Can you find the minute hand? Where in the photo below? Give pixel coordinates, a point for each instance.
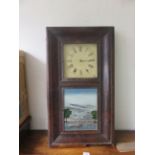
(87, 60)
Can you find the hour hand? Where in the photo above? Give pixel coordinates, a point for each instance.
(83, 60)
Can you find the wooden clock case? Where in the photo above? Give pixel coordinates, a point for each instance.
(104, 38)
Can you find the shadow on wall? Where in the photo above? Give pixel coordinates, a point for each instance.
(37, 92)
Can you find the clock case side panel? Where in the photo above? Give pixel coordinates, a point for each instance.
(52, 86)
(108, 75)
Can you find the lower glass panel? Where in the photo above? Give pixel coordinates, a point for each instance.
(80, 109)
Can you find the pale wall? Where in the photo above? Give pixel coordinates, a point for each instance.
(35, 15)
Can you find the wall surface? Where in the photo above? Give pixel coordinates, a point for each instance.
(36, 15)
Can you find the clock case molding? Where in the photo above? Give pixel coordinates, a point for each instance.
(56, 38)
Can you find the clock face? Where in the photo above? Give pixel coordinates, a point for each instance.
(80, 60)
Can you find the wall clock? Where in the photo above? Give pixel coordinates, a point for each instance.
(80, 85)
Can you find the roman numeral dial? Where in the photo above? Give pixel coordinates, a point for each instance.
(80, 60)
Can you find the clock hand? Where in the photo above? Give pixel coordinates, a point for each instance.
(86, 60)
(83, 60)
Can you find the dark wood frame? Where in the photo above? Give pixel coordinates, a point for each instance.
(104, 37)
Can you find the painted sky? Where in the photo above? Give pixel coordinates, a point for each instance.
(80, 96)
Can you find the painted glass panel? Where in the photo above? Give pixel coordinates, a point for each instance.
(80, 109)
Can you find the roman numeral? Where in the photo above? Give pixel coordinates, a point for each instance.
(90, 54)
(87, 70)
(74, 50)
(80, 48)
(91, 66)
(70, 66)
(91, 60)
(86, 49)
(81, 72)
(74, 70)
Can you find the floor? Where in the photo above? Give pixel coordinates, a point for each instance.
(36, 144)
